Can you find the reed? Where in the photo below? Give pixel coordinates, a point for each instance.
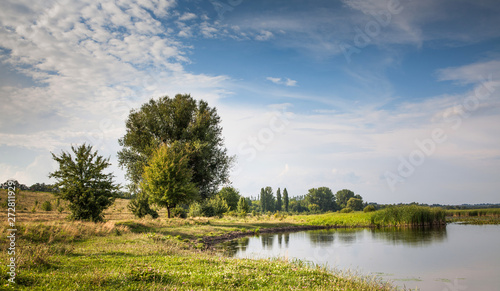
(409, 215)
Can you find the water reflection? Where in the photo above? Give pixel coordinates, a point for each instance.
(232, 247)
(416, 237)
(267, 241)
(410, 237)
(325, 238)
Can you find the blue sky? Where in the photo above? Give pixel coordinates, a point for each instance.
(395, 100)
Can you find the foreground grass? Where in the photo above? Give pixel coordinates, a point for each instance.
(124, 260)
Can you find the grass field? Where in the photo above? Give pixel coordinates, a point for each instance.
(125, 253)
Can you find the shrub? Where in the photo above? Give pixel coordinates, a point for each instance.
(346, 210)
(46, 206)
(178, 212)
(140, 206)
(195, 210)
(216, 206)
(369, 208)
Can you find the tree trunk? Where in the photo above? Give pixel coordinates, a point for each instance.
(168, 212)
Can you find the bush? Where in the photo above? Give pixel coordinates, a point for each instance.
(216, 206)
(46, 206)
(179, 212)
(195, 210)
(140, 207)
(346, 210)
(369, 208)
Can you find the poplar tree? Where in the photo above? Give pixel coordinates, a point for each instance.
(285, 199)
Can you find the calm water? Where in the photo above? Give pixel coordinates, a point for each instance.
(458, 257)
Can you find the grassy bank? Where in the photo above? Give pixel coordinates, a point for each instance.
(125, 253)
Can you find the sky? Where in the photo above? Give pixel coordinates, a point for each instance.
(397, 100)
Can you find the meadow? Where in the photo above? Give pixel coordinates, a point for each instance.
(126, 253)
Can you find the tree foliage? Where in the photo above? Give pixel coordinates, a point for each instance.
(285, 199)
(83, 184)
(322, 197)
(278, 200)
(355, 204)
(167, 180)
(180, 119)
(267, 200)
(343, 196)
(231, 196)
(243, 206)
(215, 206)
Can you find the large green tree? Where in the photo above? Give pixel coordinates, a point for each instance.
(343, 196)
(180, 119)
(322, 197)
(83, 183)
(167, 179)
(355, 204)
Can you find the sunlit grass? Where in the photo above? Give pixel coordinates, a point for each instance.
(336, 219)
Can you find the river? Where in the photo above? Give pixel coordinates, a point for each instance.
(455, 257)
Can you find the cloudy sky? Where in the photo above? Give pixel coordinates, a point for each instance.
(398, 101)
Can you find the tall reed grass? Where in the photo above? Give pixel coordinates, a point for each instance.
(409, 215)
(474, 212)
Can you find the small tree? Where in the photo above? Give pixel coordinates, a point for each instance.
(83, 184)
(167, 178)
(231, 196)
(243, 206)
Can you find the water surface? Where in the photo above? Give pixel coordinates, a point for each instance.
(457, 257)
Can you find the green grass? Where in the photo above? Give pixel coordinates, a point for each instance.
(140, 261)
(336, 219)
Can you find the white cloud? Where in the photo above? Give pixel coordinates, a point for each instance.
(188, 16)
(91, 64)
(280, 81)
(264, 35)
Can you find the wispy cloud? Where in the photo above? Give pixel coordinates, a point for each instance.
(283, 81)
